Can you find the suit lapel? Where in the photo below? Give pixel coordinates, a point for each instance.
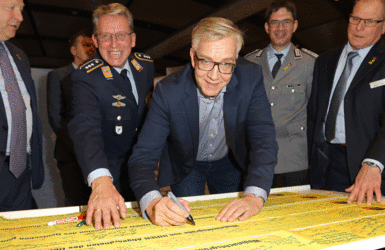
(230, 108)
(192, 107)
(372, 59)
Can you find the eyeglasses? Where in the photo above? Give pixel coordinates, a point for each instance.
(207, 65)
(106, 37)
(286, 23)
(368, 22)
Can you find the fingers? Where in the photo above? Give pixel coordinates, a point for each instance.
(241, 209)
(165, 212)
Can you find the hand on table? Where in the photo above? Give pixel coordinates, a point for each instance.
(103, 203)
(164, 212)
(368, 181)
(241, 208)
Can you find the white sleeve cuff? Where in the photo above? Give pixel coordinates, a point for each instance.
(146, 199)
(379, 164)
(98, 173)
(257, 191)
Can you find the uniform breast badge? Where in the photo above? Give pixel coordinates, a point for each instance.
(119, 103)
(118, 126)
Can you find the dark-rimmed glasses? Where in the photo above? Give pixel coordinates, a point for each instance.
(207, 65)
(368, 22)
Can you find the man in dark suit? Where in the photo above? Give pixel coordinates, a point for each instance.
(109, 102)
(59, 109)
(21, 163)
(346, 112)
(213, 122)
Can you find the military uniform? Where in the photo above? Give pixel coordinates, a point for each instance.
(288, 94)
(106, 121)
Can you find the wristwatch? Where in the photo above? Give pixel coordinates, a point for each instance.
(371, 164)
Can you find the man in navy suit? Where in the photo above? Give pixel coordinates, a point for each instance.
(213, 122)
(346, 111)
(15, 183)
(109, 102)
(59, 113)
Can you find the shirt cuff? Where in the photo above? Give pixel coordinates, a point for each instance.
(98, 173)
(379, 164)
(257, 191)
(146, 199)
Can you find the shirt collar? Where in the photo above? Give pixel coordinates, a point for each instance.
(271, 52)
(208, 99)
(126, 66)
(361, 52)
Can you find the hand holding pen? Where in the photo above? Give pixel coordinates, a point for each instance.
(165, 212)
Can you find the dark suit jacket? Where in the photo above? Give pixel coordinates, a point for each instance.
(37, 166)
(59, 110)
(95, 116)
(174, 116)
(364, 109)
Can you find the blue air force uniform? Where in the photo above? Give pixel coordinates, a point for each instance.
(108, 115)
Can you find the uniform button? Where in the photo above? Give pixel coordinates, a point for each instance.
(272, 104)
(293, 90)
(273, 87)
(119, 118)
(211, 145)
(211, 155)
(302, 128)
(136, 129)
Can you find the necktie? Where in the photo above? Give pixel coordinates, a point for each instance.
(18, 150)
(277, 65)
(123, 73)
(338, 96)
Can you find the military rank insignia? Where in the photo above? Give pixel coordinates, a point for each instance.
(107, 72)
(18, 56)
(137, 66)
(119, 103)
(118, 126)
(91, 65)
(297, 54)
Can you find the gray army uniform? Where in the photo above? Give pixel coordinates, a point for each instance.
(288, 95)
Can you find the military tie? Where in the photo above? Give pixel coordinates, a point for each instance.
(18, 150)
(277, 65)
(338, 96)
(123, 73)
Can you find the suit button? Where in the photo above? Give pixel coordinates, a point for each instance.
(272, 104)
(2, 153)
(273, 87)
(5, 127)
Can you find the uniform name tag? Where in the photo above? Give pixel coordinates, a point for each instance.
(376, 84)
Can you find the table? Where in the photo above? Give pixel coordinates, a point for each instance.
(293, 218)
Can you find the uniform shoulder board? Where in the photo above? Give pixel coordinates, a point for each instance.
(297, 54)
(257, 53)
(310, 52)
(143, 57)
(92, 65)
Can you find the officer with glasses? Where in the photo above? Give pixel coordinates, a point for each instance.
(109, 103)
(346, 111)
(287, 75)
(209, 122)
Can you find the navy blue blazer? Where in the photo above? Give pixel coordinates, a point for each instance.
(36, 166)
(364, 108)
(96, 89)
(172, 126)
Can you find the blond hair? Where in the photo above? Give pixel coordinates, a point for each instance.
(216, 28)
(113, 9)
